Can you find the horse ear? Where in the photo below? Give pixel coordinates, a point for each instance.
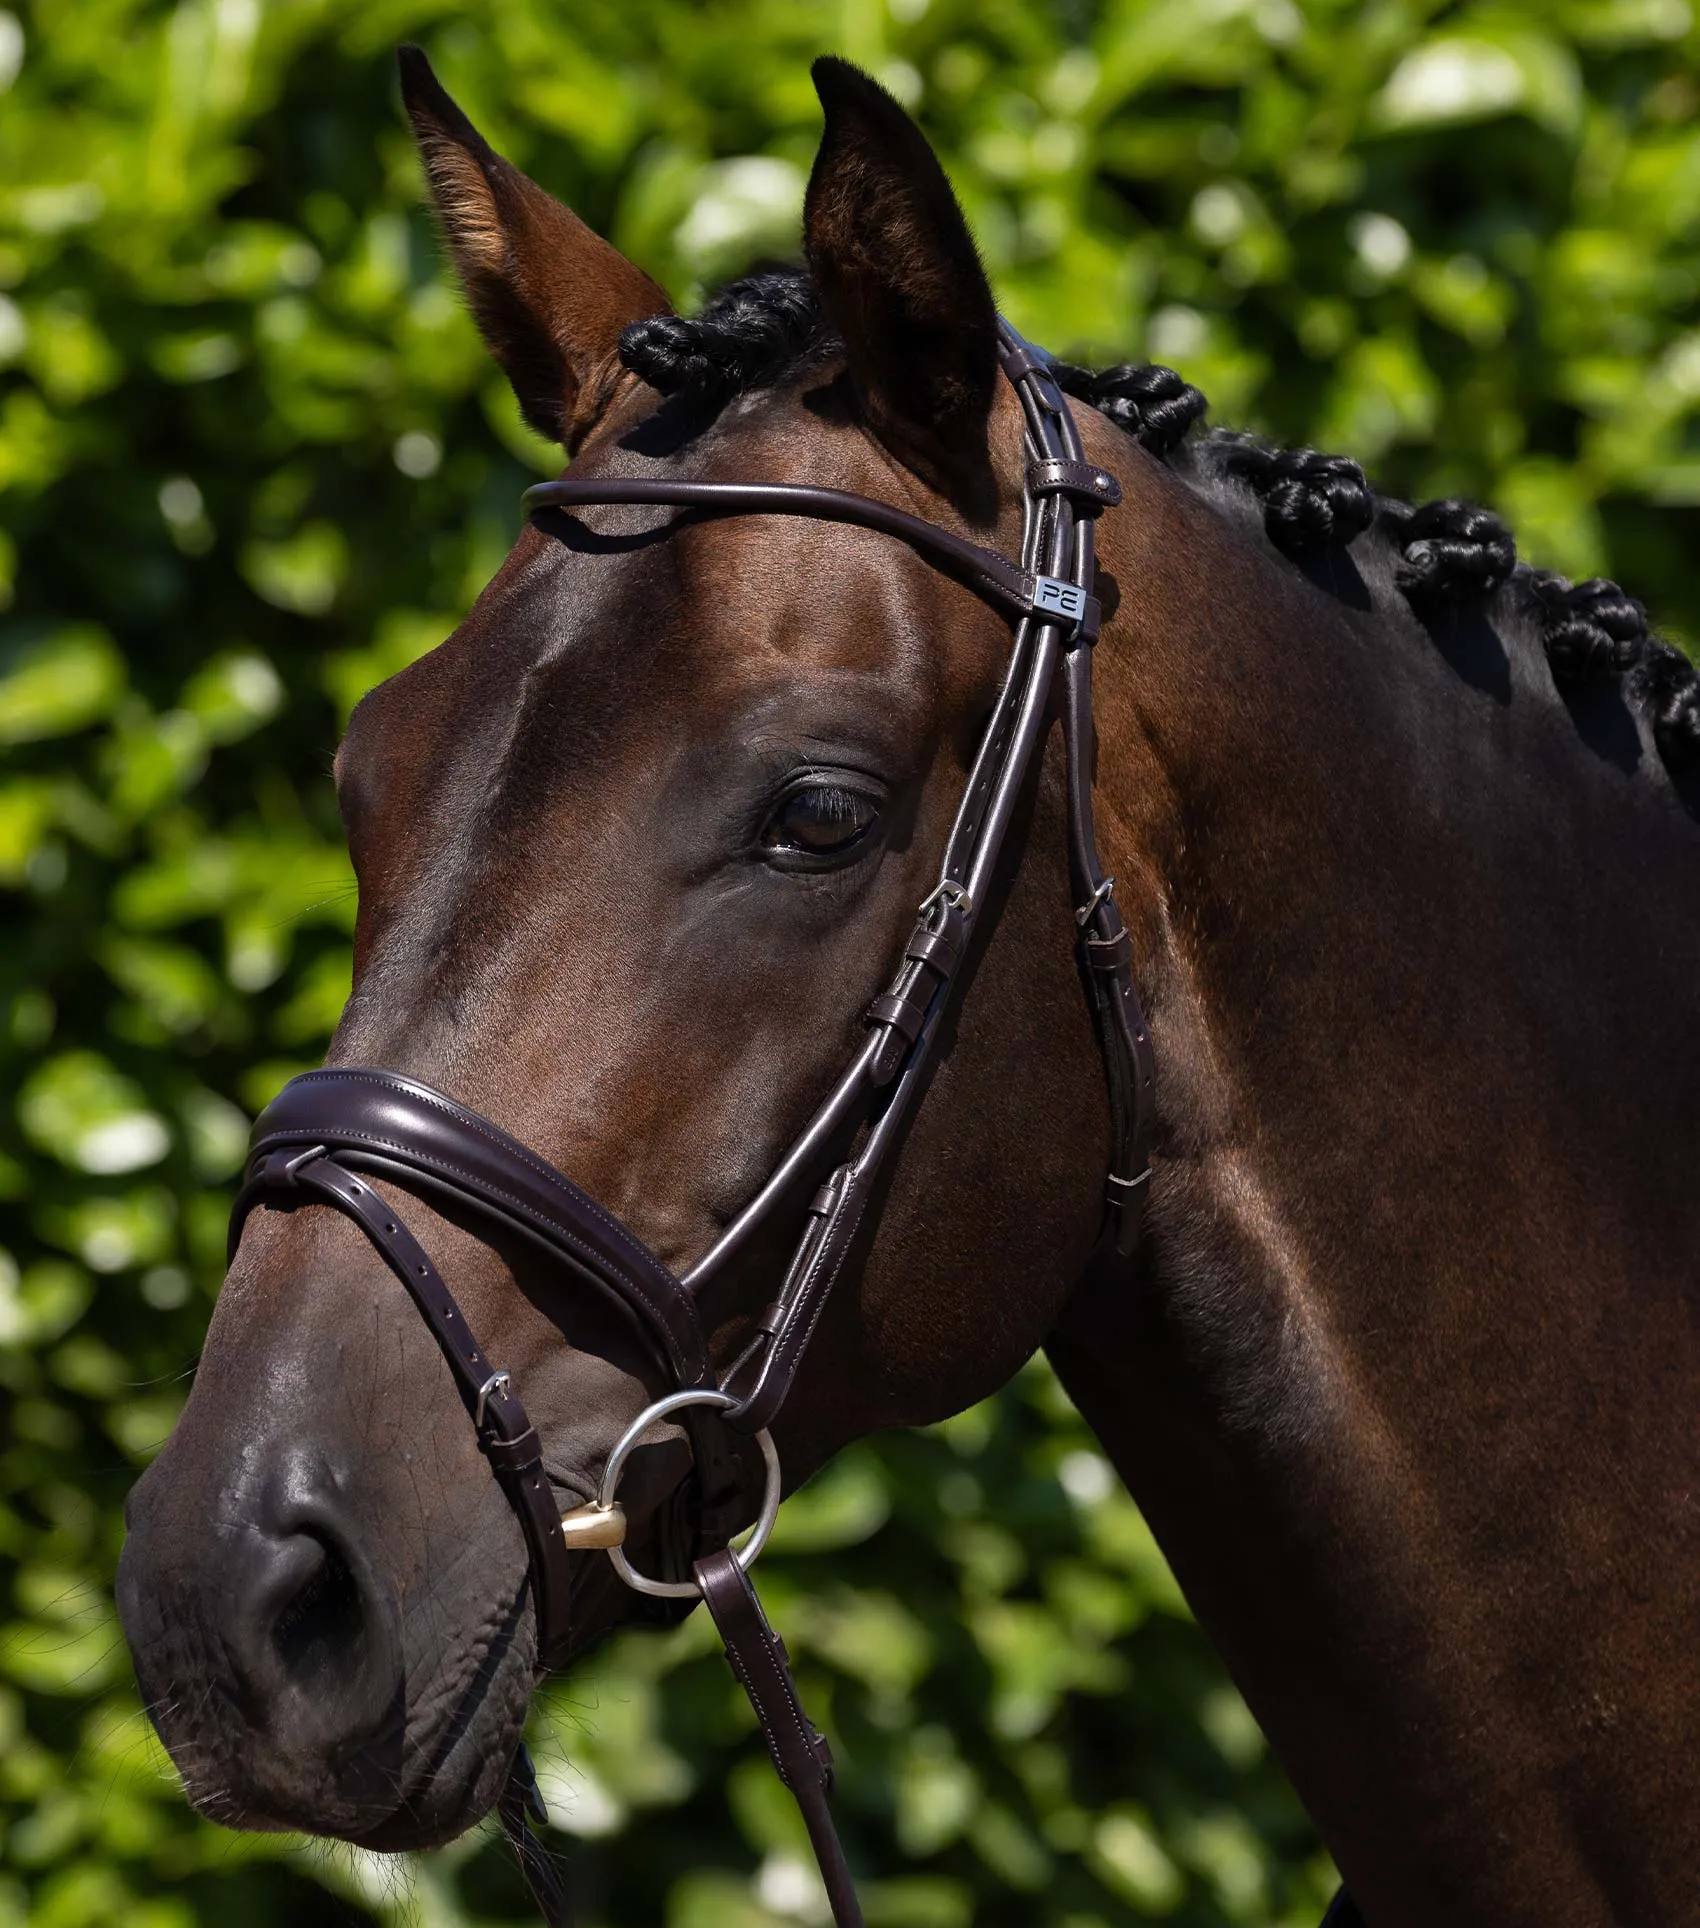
(901, 281)
(549, 297)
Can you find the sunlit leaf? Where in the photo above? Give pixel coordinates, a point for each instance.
(84, 1112)
(300, 572)
(233, 694)
(841, 1506)
(53, 684)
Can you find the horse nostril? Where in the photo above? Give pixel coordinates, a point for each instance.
(268, 1630)
(318, 1627)
(311, 1626)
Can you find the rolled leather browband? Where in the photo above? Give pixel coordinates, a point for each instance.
(1019, 593)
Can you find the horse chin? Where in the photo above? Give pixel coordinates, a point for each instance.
(451, 1779)
(455, 1791)
(401, 1790)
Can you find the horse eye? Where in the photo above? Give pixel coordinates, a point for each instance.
(820, 820)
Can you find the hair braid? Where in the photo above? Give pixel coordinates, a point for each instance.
(1588, 628)
(1152, 403)
(1670, 685)
(1454, 552)
(749, 330)
(1310, 501)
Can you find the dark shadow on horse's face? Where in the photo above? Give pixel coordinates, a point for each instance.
(635, 846)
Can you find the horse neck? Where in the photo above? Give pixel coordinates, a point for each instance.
(1405, 1383)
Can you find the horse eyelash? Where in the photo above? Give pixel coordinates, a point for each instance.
(840, 802)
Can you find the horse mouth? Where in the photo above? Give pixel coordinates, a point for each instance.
(391, 1790)
(424, 1760)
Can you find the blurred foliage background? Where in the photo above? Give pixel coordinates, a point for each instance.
(252, 459)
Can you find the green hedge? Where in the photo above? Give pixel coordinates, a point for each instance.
(252, 459)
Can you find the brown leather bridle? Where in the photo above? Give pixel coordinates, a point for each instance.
(328, 1132)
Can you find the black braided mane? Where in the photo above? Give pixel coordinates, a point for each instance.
(751, 332)
(1449, 555)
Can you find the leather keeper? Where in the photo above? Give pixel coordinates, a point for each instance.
(1081, 480)
(905, 1015)
(1022, 361)
(1089, 621)
(938, 950)
(512, 1455)
(1110, 955)
(1027, 364)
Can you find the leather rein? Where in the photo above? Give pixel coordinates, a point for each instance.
(328, 1133)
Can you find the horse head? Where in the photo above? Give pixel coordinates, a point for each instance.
(636, 846)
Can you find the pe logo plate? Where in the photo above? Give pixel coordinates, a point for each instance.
(1064, 599)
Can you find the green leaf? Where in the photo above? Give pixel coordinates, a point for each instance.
(232, 694)
(917, 1901)
(870, 1635)
(54, 684)
(844, 1504)
(83, 1112)
(937, 1792)
(1129, 1857)
(142, 1426)
(217, 1133)
(202, 356)
(174, 983)
(36, 1306)
(302, 572)
(1552, 508)
(71, 1645)
(150, 759)
(26, 814)
(1500, 66)
(741, 210)
(116, 1231)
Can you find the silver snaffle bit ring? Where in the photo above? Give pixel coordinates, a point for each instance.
(662, 1409)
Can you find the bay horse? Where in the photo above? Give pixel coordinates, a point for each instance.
(1404, 1369)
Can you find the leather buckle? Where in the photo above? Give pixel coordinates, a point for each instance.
(1110, 956)
(498, 1383)
(951, 894)
(1102, 895)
